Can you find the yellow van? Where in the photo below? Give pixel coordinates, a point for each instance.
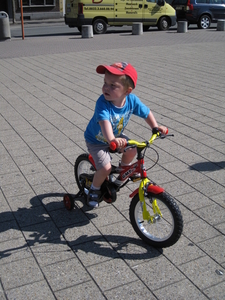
(103, 13)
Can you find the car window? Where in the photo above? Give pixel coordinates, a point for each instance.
(217, 1)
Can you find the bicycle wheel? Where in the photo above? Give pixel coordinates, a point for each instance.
(84, 172)
(68, 202)
(166, 229)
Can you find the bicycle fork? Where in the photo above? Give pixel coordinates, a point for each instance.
(145, 187)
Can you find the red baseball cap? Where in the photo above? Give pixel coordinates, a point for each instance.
(121, 68)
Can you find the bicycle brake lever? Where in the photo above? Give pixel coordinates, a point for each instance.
(129, 147)
(163, 136)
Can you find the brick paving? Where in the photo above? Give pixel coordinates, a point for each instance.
(48, 90)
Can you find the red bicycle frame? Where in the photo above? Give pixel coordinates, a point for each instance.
(127, 172)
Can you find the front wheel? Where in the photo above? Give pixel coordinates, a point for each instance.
(165, 230)
(164, 23)
(204, 22)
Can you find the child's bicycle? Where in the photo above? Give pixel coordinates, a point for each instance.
(154, 215)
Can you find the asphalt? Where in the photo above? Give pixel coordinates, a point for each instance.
(48, 90)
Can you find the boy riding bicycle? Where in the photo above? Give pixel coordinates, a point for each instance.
(112, 112)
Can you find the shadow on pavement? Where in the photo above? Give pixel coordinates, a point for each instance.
(208, 166)
(47, 223)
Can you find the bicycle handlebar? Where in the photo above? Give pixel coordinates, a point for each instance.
(155, 133)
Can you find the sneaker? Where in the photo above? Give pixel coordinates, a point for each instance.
(118, 182)
(93, 198)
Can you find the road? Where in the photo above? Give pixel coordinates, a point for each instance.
(42, 28)
(58, 27)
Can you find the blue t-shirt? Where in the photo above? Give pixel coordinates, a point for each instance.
(117, 116)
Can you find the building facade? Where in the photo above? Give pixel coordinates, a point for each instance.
(33, 9)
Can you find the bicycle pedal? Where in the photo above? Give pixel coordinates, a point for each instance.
(134, 179)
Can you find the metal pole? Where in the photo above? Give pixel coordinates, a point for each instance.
(13, 7)
(21, 8)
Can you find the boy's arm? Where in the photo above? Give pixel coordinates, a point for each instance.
(107, 132)
(153, 124)
(151, 120)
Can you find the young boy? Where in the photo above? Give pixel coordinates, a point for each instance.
(112, 112)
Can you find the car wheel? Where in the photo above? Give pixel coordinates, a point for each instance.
(163, 23)
(99, 26)
(204, 22)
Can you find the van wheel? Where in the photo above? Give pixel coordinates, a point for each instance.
(99, 26)
(204, 22)
(163, 23)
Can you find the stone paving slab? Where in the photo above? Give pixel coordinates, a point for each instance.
(48, 90)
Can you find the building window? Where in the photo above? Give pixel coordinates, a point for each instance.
(37, 3)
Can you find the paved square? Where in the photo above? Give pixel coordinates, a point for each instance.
(48, 90)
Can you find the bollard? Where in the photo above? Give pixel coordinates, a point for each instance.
(87, 31)
(182, 26)
(221, 25)
(4, 26)
(137, 28)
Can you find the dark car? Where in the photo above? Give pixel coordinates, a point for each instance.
(200, 12)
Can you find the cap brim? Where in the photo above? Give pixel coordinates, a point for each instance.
(102, 68)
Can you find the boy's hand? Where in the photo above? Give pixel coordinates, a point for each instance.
(163, 129)
(120, 142)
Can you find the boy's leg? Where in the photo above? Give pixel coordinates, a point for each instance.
(126, 160)
(101, 175)
(94, 194)
(128, 156)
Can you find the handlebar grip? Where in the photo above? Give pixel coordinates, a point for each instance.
(113, 146)
(167, 130)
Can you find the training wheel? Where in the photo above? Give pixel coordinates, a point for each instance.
(68, 201)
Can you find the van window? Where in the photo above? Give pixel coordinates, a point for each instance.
(180, 2)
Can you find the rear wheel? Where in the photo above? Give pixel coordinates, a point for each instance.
(164, 23)
(204, 22)
(166, 229)
(99, 26)
(84, 172)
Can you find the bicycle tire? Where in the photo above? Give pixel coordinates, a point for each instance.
(83, 166)
(166, 230)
